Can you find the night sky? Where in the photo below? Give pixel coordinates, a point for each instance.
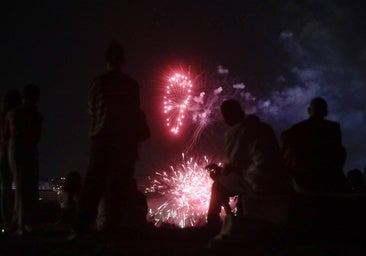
(285, 52)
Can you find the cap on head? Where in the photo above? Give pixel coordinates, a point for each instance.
(31, 93)
(318, 107)
(114, 54)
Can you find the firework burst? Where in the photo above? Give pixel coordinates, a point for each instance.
(182, 107)
(181, 195)
(176, 99)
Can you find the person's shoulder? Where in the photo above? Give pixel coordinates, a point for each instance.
(116, 76)
(301, 124)
(295, 129)
(12, 113)
(265, 127)
(102, 78)
(252, 122)
(128, 78)
(331, 124)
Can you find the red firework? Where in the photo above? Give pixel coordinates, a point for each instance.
(176, 99)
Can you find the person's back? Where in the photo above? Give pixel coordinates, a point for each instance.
(25, 124)
(253, 171)
(114, 98)
(314, 152)
(116, 122)
(318, 140)
(265, 172)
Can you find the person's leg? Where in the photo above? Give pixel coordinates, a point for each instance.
(15, 162)
(217, 200)
(93, 187)
(224, 187)
(117, 193)
(6, 179)
(226, 205)
(30, 187)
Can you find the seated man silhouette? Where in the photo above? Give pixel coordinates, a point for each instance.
(220, 196)
(69, 197)
(252, 169)
(313, 152)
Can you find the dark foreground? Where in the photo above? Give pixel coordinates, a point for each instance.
(318, 226)
(52, 240)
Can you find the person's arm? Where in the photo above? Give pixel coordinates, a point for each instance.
(136, 94)
(94, 102)
(38, 128)
(337, 134)
(6, 130)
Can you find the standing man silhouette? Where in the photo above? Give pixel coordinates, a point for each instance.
(11, 100)
(117, 126)
(23, 126)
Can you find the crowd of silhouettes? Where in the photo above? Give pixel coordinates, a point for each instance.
(310, 162)
(256, 169)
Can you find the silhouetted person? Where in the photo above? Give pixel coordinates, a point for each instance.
(69, 197)
(313, 151)
(117, 127)
(252, 165)
(11, 100)
(356, 181)
(24, 124)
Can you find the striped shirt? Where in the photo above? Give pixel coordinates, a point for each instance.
(112, 103)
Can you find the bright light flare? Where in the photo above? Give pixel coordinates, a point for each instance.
(176, 99)
(180, 196)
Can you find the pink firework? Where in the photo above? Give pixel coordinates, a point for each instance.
(176, 100)
(181, 195)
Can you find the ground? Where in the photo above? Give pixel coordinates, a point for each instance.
(52, 240)
(337, 229)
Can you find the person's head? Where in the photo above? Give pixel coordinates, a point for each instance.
(114, 55)
(12, 99)
(232, 112)
(318, 108)
(31, 93)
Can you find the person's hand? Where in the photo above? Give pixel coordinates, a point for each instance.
(214, 170)
(213, 167)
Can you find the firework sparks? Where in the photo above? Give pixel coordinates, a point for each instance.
(182, 194)
(176, 100)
